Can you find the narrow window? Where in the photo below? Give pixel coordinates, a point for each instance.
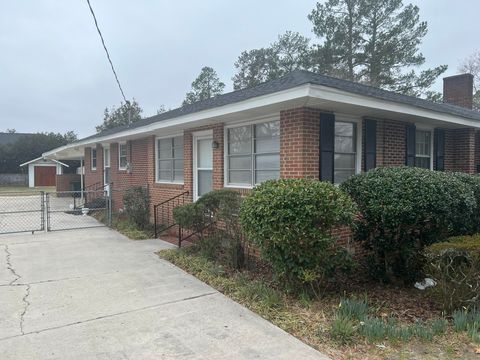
(423, 149)
(94, 158)
(253, 153)
(345, 159)
(170, 159)
(122, 156)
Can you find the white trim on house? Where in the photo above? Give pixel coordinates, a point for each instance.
(199, 135)
(43, 158)
(258, 120)
(93, 168)
(304, 95)
(359, 137)
(173, 135)
(431, 129)
(122, 168)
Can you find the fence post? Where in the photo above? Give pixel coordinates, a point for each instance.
(155, 220)
(109, 205)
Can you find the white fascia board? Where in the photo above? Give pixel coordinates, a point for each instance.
(265, 100)
(339, 96)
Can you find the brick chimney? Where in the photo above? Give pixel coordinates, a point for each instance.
(458, 90)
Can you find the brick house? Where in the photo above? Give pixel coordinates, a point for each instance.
(303, 125)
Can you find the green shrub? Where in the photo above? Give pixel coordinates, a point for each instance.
(221, 208)
(136, 202)
(403, 210)
(471, 224)
(455, 266)
(290, 220)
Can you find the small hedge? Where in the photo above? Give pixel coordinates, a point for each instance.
(290, 220)
(224, 239)
(455, 266)
(136, 202)
(470, 225)
(403, 210)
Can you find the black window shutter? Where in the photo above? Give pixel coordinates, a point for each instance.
(327, 146)
(410, 145)
(439, 149)
(370, 144)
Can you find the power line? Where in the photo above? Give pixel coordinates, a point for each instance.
(106, 51)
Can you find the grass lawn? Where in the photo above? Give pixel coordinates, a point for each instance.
(418, 332)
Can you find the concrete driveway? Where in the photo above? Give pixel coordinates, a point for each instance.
(94, 294)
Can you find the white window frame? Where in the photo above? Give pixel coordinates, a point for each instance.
(425, 128)
(199, 135)
(120, 156)
(157, 180)
(359, 134)
(93, 168)
(225, 149)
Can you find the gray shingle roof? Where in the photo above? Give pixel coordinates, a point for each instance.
(291, 80)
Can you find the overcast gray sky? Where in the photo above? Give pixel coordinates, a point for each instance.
(54, 75)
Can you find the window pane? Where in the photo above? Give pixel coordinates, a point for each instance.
(205, 180)
(344, 144)
(165, 175)
(262, 175)
(423, 142)
(239, 140)
(178, 165)
(178, 175)
(178, 141)
(342, 175)
(123, 149)
(267, 145)
(270, 129)
(178, 152)
(265, 162)
(344, 161)
(344, 129)
(240, 162)
(422, 162)
(165, 165)
(123, 161)
(243, 177)
(204, 153)
(165, 148)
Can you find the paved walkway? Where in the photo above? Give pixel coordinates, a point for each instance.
(94, 294)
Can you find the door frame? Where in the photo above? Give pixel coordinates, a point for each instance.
(200, 135)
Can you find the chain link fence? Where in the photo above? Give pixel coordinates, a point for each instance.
(22, 212)
(76, 209)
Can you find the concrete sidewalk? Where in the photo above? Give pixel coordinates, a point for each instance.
(94, 294)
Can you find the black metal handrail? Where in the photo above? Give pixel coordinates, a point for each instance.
(165, 211)
(197, 233)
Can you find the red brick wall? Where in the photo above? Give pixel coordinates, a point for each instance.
(93, 176)
(460, 150)
(458, 90)
(299, 143)
(390, 143)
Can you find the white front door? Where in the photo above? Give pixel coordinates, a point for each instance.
(202, 165)
(106, 169)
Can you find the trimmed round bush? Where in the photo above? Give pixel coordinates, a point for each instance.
(403, 210)
(290, 221)
(455, 266)
(136, 202)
